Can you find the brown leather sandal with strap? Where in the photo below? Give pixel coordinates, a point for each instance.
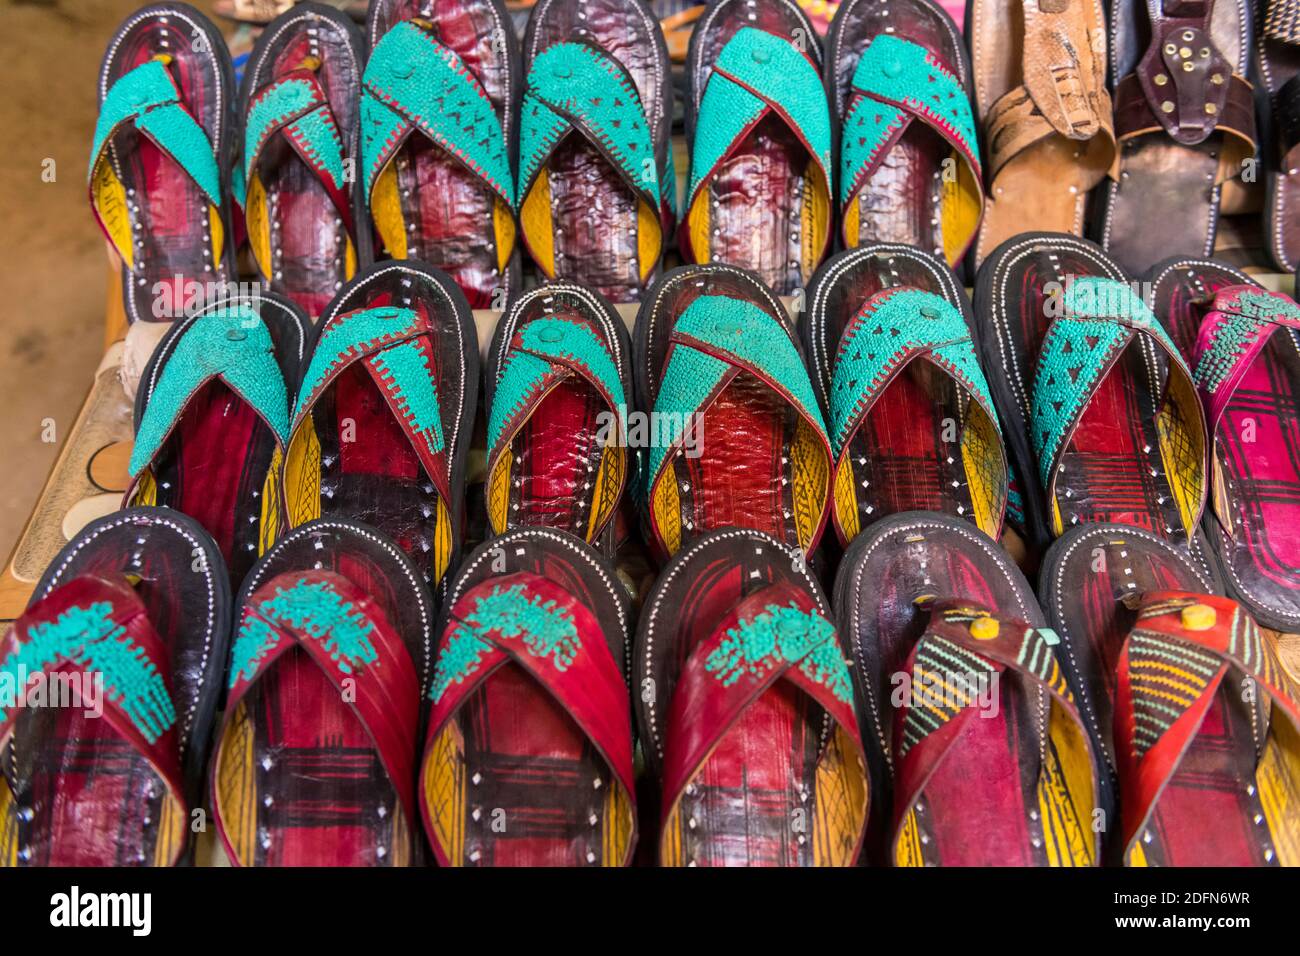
(1042, 103)
(1185, 117)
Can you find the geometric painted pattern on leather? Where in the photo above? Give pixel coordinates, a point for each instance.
(896, 71)
(780, 635)
(232, 344)
(939, 659)
(1243, 315)
(891, 326)
(739, 330)
(313, 610)
(89, 637)
(413, 81)
(575, 86)
(1100, 316)
(147, 97)
(526, 370)
(548, 632)
(755, 73)
(1169, 673)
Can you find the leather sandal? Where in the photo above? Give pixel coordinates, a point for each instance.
(559, 382)
(528, 757)
(212, 422)
(298, 108)
(1040, 93)
(738, 437)
(315, 757)
(746, 710)
(1195, 716)
(759, 128)
(1185, 118)
(133, 615)
(909, 165)
(597, 191)
(981, 755)
(159, 165)
(1101, 414)
(889, 333)
(438, 134)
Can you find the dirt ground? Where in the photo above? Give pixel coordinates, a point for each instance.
(54, 269)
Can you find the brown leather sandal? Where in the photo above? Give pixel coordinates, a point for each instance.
(1041, 100)
(1185, 118)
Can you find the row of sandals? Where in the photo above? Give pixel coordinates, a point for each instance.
(936, 709)
(448, 144)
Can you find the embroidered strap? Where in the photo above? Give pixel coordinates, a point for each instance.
(347, 635)
(546, 351)
(960, 660)
(412, 82)
(896, 82)
(98, 628)
(1233, 335)
(231, 344)
(1100, 317)
(575, 86)
(892, 328)
(396, 347)
(148, 98)
(543, 629)
(1169, 670)
(775, 633)
(714, 339)
(295, 106)
(757, 73)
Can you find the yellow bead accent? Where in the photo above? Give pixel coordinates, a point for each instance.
(984, 628)
(1198, 617)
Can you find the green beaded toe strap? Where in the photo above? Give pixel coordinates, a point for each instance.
(894, 328)
(231, 344)
(394, 345)
(295, 106)
(148, 98)
(413, 82)
(578, 87)
(547, 350)
(1100, 318)
(713, 339)
(895, 83)
(1233, 335)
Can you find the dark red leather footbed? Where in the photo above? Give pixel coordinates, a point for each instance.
(556, 452)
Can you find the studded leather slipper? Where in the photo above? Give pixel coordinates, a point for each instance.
(118, 660)
(759, 129)
(298, 107)
(889, 332)
(381, 428)
(597, 191)
(559, 385)
(737, 435)
(315, 757)
(746, 709)
(1195, 716)
(972, 727)
(159, 164)
(438, 138)
(528, 759)
(212, 422)
(909, 164)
